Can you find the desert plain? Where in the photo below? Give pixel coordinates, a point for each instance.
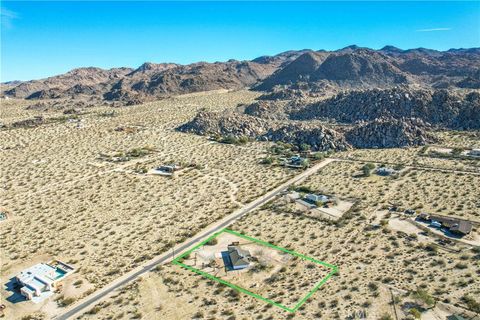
(65, 201)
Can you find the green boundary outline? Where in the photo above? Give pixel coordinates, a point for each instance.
(333, 268)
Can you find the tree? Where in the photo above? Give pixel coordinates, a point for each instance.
(304, 147)
(367, 168)
(305, 163)
(415, 313)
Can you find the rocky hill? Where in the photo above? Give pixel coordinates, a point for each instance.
(379, 133)
(389, 133)
(317, 136)
(74, 82)
(226, 123)
(298, 70)
(439, 107)
(150, 81)
(154, 83)
(355, 67)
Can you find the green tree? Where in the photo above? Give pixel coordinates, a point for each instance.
(304, 147)
(367, 169)
(415, 313)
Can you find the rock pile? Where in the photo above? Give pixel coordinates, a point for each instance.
(440, 107)
(318, 137)
(389, 133)
(267, 109)
(384, 132)
(284, 94)
(225, 123)
(29, 123)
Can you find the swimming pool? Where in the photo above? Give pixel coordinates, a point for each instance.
(59, 273)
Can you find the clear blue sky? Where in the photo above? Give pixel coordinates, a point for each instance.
(41, 39)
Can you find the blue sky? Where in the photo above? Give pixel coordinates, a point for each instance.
(41, 39)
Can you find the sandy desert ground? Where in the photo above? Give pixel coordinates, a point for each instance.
(66, 203)
(377, 264)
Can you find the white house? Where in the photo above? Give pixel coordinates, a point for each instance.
(316, 197)
(42, 277)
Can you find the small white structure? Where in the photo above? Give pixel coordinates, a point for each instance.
(384, 171)
(42, 277)
(474, 153)
(316, 198)
(167, 170)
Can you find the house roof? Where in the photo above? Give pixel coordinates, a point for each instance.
(316, 197)
(455, 225)
(239, 257)
(455, 317)
(447, 222)
(464, 227)
(42, 271)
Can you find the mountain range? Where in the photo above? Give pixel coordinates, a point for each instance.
(351, 67)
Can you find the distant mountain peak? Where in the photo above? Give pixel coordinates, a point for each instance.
(391, 49)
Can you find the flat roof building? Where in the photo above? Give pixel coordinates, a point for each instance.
(42, 277)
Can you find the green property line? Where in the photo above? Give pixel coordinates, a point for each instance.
(231, 285)
(317, 286)
(279, 248)
(333, 268)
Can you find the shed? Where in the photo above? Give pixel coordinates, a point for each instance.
(384, 171)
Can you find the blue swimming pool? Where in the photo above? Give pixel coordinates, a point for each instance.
(59, 273)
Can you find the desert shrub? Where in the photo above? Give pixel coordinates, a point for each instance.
(267, 160)
(424, 297)
(367, 169)
(415, 313)
(471, 303)
(212, 242)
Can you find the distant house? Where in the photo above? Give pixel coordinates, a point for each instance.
(384, 171)
(444, 221)
(316, 198)
(239, 258)
(474, 153)
(42, 277)
(457, 226)
(166, 170)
